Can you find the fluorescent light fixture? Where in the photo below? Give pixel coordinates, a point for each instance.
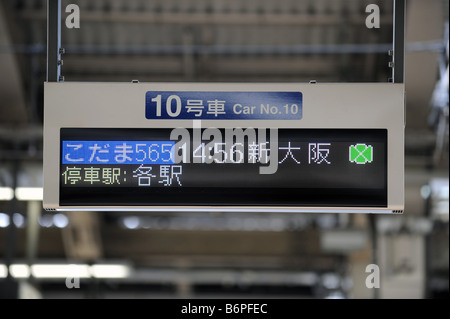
(4, 220)
(440, 187)
(16, 270)
(30, 193)
(20, 271)
(56, 271)
(131, 222)
(3, 271)
(60, 271)
(60, 221)
(6, 193)
(19, 220)
(110, 271)
(46, 221)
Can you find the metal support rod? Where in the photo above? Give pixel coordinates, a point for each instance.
(374, 241)
(34, 89)
(11, 235)
(33, 214)
(398, 69)
(428, 249)
(53, 40)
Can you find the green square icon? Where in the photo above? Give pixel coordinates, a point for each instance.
(361, 154)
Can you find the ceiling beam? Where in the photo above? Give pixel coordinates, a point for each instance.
(212, 18)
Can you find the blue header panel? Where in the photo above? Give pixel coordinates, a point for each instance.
(177, 105)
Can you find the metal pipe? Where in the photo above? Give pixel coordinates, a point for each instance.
(374, 241)
(53, 40)
(398, 70)
(11, 235)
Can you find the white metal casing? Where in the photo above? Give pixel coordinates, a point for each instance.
(325, 106)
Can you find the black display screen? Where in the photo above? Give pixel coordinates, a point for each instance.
(145, 167)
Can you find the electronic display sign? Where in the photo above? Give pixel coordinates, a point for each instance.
(224, 147)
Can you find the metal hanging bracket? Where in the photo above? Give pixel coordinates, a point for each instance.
(398, 53)
(54, 50)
